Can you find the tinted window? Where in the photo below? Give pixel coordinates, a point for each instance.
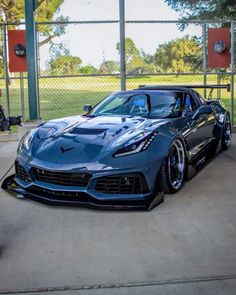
(154, 104)
(165, 104)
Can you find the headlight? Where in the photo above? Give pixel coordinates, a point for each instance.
(137, 144)
(26, 140)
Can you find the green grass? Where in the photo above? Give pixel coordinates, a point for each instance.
(60, 97)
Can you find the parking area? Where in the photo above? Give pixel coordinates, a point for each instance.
(187, 245)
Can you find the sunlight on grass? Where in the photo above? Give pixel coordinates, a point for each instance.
(60, 97)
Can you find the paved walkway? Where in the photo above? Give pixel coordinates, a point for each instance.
(185, 246)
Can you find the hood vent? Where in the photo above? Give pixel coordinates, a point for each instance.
(87, 131)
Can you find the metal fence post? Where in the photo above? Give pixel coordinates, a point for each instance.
(232, 72)
(31, 59)
(204, 31)
(6, 68)
(37, 68)
(122, 45)
(22, 95)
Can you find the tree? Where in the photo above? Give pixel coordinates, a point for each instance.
(13, 11)
(149, 63)
(133, 58)
(204, 10)
(179, 55)
(88, 69)
(109, 67)
(65, 65)
(214, 10)
(131, 50)
(136, 65)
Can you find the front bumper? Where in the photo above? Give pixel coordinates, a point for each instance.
(82, 199)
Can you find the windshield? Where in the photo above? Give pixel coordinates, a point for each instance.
(156, 104)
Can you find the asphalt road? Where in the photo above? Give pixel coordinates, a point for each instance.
(187, 245)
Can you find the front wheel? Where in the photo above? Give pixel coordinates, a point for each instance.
(173, 170)
(226, 134)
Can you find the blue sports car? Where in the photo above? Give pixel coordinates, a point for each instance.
(126, 152)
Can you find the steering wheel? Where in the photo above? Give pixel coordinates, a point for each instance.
(138, 110)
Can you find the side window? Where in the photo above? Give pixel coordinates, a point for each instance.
(200, 99)
(190, 104)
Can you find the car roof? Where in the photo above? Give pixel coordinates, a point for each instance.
(184, 87)
(150, 91)
(169, 87)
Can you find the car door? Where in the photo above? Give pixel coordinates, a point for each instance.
(198, 124)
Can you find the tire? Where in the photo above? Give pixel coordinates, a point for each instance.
(172, 173)
(226, 134)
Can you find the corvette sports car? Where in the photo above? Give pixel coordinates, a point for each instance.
(126, 152)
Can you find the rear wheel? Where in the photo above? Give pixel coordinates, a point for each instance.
(226, 134)
(173, 170)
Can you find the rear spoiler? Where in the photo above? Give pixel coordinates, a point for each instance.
(224, 86)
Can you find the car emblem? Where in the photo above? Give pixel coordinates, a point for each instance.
(65, 150)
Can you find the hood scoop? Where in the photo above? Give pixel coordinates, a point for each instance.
(88, 131)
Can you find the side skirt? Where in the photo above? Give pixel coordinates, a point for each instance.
(201, 160)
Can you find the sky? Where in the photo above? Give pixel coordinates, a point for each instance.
(94, 43)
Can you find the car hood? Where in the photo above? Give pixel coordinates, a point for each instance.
(84, 139)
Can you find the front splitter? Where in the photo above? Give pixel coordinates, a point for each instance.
(10, 185)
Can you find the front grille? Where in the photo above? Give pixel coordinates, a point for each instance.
(122, 184)
(21, 173)
(62, 178)
(58, 195)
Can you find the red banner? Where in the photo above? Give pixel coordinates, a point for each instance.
(17, 63)
(218, 36)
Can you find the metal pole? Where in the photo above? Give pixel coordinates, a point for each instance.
(6, 68)
(122, 45)
(232, 73)
(218, 83)
(38, 67)
(31, 56)
(22, 95)
(204, 30)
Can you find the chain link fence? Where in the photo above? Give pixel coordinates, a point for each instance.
(79, 63)
(2, 76)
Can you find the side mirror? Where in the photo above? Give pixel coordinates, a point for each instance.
(87, 108)
(205, 109)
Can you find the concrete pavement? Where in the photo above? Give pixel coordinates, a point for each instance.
(185, 246)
